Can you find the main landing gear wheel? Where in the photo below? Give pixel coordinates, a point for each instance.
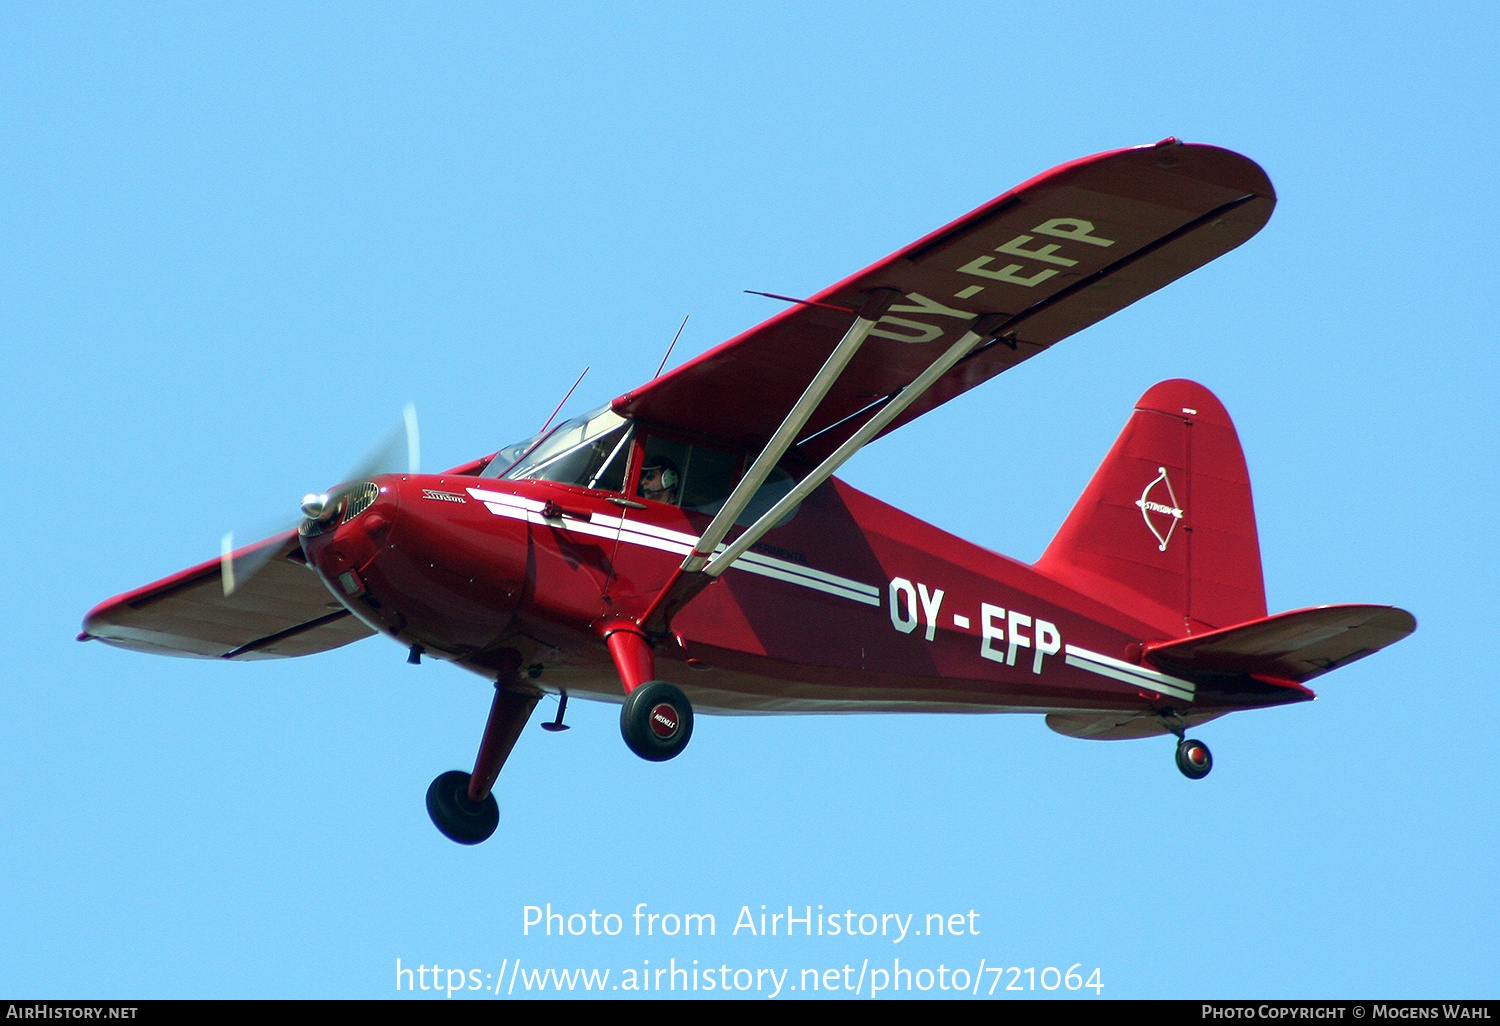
(458, 816)
(1194, 759)
(656, 721)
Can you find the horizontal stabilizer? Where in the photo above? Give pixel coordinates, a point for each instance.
(1296, 646)
(283, 610)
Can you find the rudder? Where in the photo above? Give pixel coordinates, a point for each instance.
(1165, 530)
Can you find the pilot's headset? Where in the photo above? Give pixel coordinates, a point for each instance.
(669, 475)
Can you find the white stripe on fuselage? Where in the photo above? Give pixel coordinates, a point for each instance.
(1174, 687)
(678, 543)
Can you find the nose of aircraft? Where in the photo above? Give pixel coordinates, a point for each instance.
(344, 531)
(412, 556)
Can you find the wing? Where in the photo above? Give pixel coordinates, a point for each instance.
(1050, 257)
(283, 610)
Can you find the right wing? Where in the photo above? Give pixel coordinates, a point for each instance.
(280, 610)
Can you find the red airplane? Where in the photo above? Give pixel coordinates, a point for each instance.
(687, 546)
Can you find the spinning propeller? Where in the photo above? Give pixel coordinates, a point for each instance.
(399, 453)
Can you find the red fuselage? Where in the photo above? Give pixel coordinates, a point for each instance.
(850, 606)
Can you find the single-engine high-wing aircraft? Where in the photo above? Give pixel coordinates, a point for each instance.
(687, 547)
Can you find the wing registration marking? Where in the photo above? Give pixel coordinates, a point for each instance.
(911, 320)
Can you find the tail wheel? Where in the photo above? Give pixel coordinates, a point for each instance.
(656, 721)
(458, 816)
(1194, 759)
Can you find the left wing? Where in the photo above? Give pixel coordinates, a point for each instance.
(283, 610)
(1035, 265)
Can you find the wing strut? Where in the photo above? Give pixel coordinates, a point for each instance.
(980, 332)
(702, 566)
(876, 302)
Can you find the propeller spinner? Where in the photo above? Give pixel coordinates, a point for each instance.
(399, 453)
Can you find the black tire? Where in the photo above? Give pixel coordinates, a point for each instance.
(455, 814)
(1194, 759)
(656, 721)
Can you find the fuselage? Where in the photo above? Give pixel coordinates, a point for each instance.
(849, 606)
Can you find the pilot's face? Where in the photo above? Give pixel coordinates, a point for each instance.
(651, 483)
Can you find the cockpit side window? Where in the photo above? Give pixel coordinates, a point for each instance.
(776, 484)
(689, 476)
(594, 451)
(700, 479)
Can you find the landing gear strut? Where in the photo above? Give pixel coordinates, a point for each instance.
(460, 804)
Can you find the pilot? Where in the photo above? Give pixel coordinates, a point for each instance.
(659, 480)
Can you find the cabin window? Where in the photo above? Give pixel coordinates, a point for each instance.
(777, 483)
(700, 480)
(689, 476)
(592, 451)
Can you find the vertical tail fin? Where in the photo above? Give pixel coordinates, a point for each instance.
(1166, 528)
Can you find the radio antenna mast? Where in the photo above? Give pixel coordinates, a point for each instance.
(669, 348)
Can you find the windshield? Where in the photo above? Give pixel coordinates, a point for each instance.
(591, 451)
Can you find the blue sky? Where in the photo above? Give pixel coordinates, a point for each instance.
(239, 239)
